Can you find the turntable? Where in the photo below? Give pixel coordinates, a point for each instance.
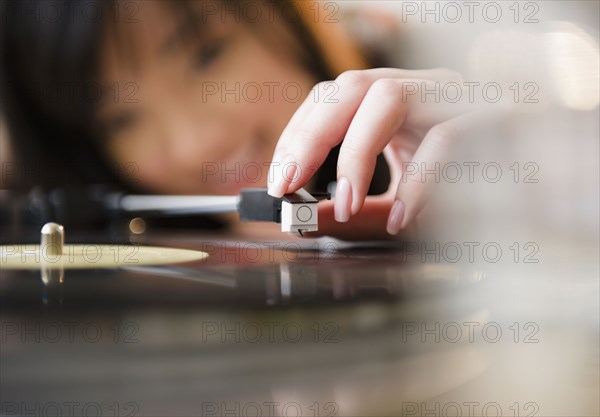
(216, 322)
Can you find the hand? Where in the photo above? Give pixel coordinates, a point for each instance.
(377, 110)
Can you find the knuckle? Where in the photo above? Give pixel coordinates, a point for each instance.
(350, 152)
(442, 133)
(353, 153)
(305, 133)
(450, 75)
(386, 87)
(410, 179)
(305, 142)
(352, 78)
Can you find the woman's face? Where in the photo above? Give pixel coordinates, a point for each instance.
(196, 112)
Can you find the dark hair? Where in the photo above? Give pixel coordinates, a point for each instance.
(50, 60)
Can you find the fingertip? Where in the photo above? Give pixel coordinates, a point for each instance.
(277, 187)
(396, 218)
(358, 201)
(281, 177)
(275, 192)
(343, 200)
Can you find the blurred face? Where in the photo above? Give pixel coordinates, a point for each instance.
(197, 111)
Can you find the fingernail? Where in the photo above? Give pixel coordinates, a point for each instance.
(394, 223)
(343, 200)
(281, 177)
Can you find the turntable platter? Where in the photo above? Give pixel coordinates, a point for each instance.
(91, 256)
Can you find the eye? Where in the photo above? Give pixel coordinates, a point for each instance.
(207, 54)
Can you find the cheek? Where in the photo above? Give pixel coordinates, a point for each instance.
(272, 95)
(267, 89)
(142, 171)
